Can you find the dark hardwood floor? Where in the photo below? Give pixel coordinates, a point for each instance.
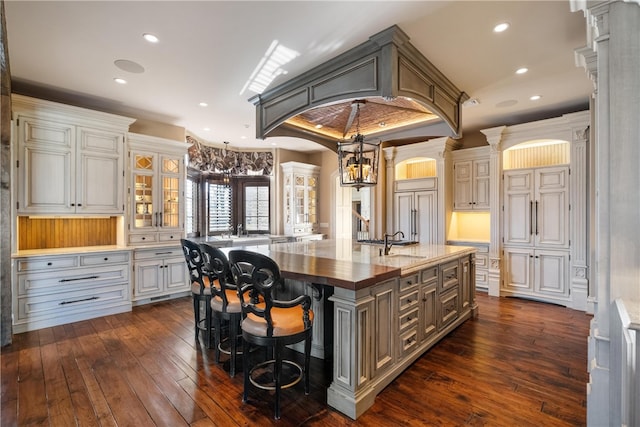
(519, 363)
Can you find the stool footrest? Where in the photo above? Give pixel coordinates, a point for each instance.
(261, 375)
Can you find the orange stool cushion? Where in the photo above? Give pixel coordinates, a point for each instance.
(195, 286)
(286, 321)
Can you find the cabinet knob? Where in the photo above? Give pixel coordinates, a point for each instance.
(73, 204)
(49, 263)
(144, 238)
(106, 259)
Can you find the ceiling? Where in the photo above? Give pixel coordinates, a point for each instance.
(208, 50)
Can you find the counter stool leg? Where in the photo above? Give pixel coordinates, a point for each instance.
(307, 362)
(277, 369)
(209, 314)
(233, 336)
(196, 314)
(245, 358)
(218, 338)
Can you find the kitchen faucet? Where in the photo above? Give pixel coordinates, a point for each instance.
(387, 243)
(239, 230)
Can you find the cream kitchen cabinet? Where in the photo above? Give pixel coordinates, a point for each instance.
(415, 207)
(53, 290)
(536, 207)
(155, 190)
(159, 273)
(536, 233)
(69, 160)
(471, 185)
(300, 197)
(537, 273)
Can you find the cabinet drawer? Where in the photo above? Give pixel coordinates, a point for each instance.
(409, 300)
(408, 282)
(448, 304)
(143, 238)
(449, 274)
(408, 342)
(408, 320)
(70, 302)
(70, 280)
(429, 275)
(169, 237)
(156, 253)
(104, 258)
(48, 263)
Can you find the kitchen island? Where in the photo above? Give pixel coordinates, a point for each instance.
(384, 311)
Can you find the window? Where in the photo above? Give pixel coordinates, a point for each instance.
(256, 208)
(213, 207)
(219, 207)
(192, 206)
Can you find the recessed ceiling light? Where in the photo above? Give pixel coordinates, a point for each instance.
(500, 27)
(382, 124)
(522, 70)
(535, 97)
(120, 81)
(243, 137)
(207, 129)
(318, 126)
(273, 143)
(150, 38)
(203, 104)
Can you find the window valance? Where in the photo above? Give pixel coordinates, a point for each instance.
(222, 160)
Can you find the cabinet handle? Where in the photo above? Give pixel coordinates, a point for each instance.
(156, 215)
(530, 217)
(164, 253)
(73, 204)
(77, 278)
(79, 204)
(536, 217)
(77, 300)
(49, 263)
(160, 222)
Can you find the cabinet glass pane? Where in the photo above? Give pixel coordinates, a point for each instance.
(142, 162)
(143, 199)
(300, 214)
(170, 165)
(170, 200)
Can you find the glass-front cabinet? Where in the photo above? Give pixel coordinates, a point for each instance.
(156, 193)
(300, 198)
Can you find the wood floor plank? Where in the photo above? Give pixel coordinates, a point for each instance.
(519, 363)
(59, 403)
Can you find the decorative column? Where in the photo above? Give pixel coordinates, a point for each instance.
(390, 183)
(494, 137)
(613, 36)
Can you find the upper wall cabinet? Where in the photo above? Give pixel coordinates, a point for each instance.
(471, 182)
(156, 190)
(69, 160)
(300, 198)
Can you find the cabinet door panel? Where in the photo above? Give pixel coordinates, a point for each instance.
(551, 273)
(46, 185)
(426, 222)
(481, 186)
(463, 197)
(518, 207)
(100, 190)
(517, 263)
(149, 278)
(552, 207)
(176, 274)
(428, 311)
(384, 326)
(404, 214)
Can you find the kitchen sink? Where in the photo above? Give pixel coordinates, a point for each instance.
(394, 242)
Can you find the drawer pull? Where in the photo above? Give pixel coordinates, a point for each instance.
(106, 259)
(77, 278)
(163, 253)
(77, 300)
(49, 263)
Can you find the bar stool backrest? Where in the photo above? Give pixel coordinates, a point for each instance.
(195, 262)
(216, 266)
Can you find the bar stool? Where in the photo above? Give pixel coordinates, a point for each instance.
(225, 303)
(200, 288)
(269, 322)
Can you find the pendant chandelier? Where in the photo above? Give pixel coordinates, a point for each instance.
(357, 158)
(226, 172)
